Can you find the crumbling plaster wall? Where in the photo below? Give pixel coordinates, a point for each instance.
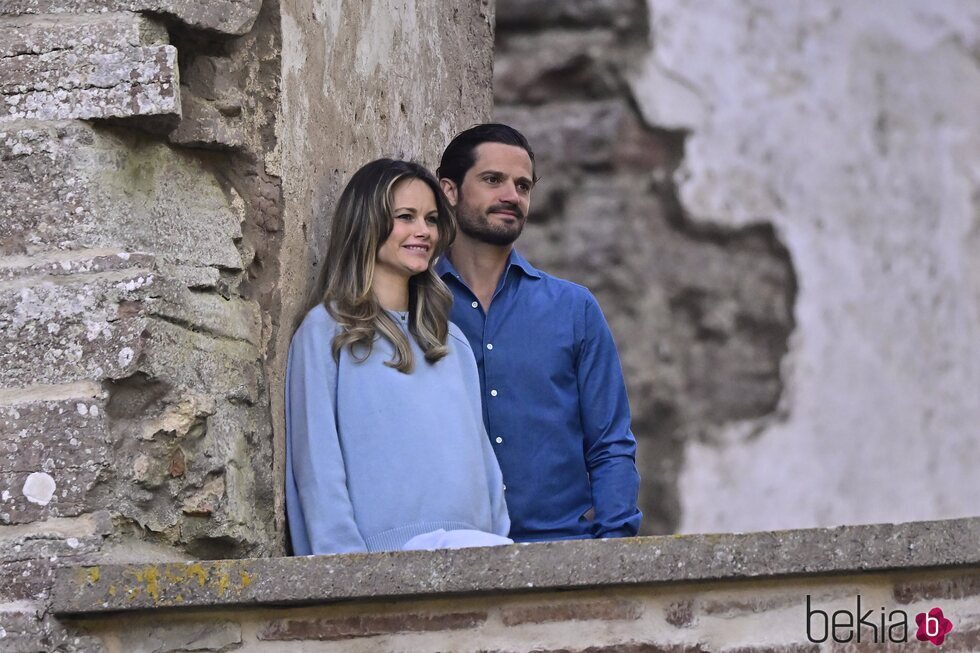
(701, 313)
(852, 127)
(363, 80)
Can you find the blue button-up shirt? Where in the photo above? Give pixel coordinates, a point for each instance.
(554, 404)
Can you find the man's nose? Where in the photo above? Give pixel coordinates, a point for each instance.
(508, 193)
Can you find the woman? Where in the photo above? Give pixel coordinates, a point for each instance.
(386, 447)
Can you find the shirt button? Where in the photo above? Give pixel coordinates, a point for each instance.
(489, 346)
(499, 440)
(475, 304)
(493, 393)
(505, 487)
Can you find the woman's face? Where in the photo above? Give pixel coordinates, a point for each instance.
(414, 230)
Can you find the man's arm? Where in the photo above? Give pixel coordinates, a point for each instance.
(610, 448)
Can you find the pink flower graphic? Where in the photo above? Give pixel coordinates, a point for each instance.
(933, 626)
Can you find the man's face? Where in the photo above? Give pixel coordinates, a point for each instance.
(493, 201)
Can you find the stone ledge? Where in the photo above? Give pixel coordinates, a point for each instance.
(256, 582)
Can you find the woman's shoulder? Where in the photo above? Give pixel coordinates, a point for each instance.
(317, 322)
(457, 337)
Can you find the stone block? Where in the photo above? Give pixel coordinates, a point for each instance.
(63, 264)
(556, 65)
(106, 66)
(515, 15)
(204, 125)
(22, 631)
(211, 635)
(599, 609)
(619, 647)
(225, 16)
(588, 135)
(367, 625)
(680, 613)
(950, 588)
(614, 563)
(52, 454)
(73, 185)
(33, 34)
(70, 329)
(53, 435)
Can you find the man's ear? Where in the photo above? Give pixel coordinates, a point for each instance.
(449, 190)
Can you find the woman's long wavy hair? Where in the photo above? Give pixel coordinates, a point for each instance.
(361, 224)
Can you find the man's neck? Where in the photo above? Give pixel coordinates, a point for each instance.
(480, 264)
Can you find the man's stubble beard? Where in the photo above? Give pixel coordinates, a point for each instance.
(477, 226)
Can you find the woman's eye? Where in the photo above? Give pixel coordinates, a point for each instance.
(432, 219)
(405, 216)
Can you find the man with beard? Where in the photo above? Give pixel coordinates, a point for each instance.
(554, 400)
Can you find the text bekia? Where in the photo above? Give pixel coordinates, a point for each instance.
(845, 626)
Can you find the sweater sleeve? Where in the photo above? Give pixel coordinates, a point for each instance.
(318, 506)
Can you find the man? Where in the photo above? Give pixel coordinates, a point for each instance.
(554, 400)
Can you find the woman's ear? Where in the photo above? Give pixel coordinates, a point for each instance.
(449, 190)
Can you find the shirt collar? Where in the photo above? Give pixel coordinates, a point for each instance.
(444, 266)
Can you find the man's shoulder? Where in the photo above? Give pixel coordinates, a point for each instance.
(567, 292)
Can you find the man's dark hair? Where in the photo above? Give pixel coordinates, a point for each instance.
(460, 154)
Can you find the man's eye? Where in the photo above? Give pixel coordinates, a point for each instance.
(492, 180)
(524, 188)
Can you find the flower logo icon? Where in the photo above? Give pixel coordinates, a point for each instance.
(933, 626)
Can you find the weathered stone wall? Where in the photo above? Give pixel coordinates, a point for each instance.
(678, 594)
(852, 128)
(701, 313)
(134, 418)
(168, 170)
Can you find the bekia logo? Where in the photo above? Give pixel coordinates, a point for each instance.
(875, 626)
(933, 626)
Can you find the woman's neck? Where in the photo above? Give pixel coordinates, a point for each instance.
(391, 291)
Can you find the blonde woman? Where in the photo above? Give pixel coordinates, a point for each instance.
(386, 447)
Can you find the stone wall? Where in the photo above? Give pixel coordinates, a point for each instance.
(701, 312)
(852, 129)
(168, 171)
(678, 594)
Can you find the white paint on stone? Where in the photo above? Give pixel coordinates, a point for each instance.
(39, 488)
(81, 408)
(852, 126)
(5, 496)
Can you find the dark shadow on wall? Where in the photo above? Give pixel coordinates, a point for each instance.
(701, 313)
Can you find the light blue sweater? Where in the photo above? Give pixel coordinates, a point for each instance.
(374, 456)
